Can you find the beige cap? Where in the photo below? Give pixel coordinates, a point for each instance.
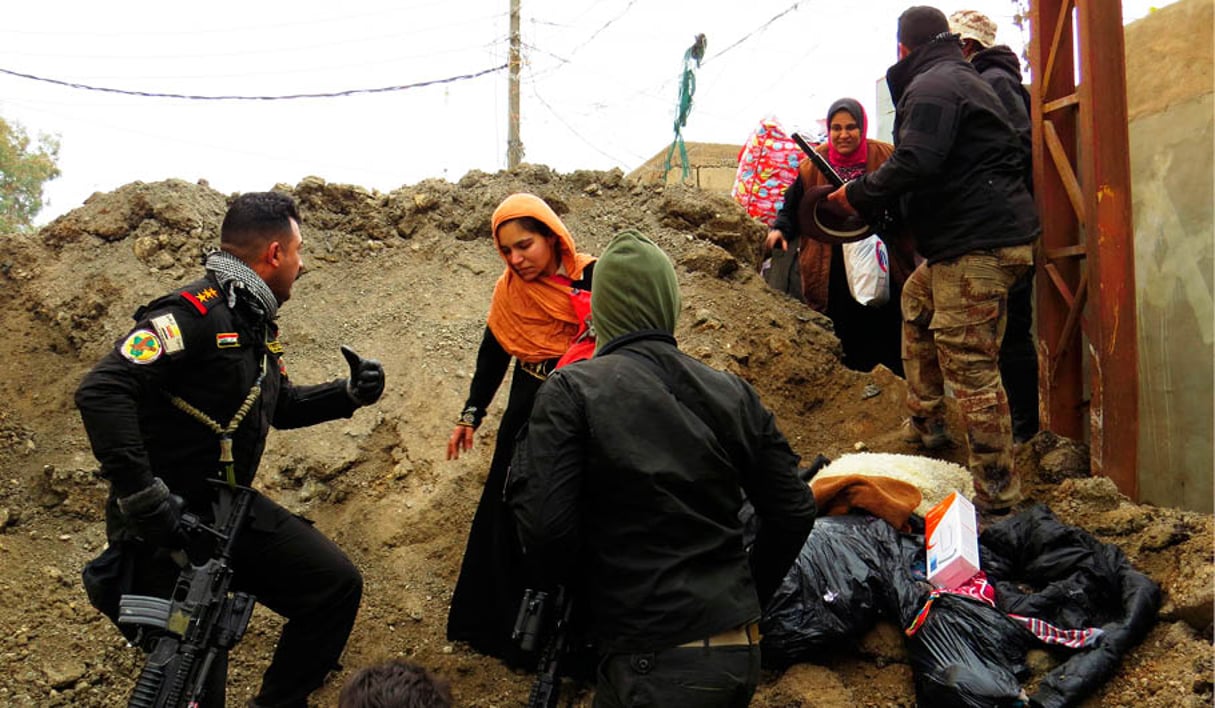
(971, 24)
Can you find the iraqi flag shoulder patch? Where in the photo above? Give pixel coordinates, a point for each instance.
(141, 347)
(227, 340)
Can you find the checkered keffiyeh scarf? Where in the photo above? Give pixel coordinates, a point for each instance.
(234, 275)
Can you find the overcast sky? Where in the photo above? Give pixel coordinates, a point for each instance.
(599, 84)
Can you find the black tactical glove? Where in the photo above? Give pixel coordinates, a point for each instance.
(366, 381)
(154, 513)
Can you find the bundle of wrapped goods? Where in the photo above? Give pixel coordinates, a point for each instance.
(767, 165)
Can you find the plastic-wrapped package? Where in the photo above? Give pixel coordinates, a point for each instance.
(967, 653)
(852, 570)
(767, 165)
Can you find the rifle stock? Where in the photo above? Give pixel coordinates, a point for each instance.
(200, 622)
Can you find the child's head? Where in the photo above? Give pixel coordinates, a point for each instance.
(395, 683)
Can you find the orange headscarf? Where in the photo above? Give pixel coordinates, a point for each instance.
(534, 321)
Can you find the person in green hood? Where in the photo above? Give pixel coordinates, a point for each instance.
(627, 485)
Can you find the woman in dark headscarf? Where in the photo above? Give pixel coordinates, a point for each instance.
(869, 335)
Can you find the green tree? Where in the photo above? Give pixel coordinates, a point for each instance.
(24, 169)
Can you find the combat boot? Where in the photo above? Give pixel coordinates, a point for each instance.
(929, 433)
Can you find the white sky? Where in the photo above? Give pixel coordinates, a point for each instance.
(599, 83)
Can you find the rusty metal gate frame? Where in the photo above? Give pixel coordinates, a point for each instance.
(1086, 276)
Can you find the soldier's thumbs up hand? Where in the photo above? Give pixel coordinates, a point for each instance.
(366, 382)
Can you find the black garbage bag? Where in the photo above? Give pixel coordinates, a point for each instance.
(1045, 569)
(855, 570)
(852, 571)
(968, 654)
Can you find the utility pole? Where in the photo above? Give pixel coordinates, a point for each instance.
(514, 146)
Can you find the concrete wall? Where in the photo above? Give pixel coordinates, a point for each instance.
(1169, 56)
(885, 111)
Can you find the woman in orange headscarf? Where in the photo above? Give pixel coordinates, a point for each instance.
(534, 317)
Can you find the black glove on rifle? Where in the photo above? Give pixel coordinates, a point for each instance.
(366, 381)
(154, 513)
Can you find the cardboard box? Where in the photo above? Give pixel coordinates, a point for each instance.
(952, 553)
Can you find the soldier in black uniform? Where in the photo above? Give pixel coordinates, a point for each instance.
(190, 395)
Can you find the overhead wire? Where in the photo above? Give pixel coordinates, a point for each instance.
(227, 30)
(179, 138)
(753, 32)
(283, 97)
(574, 131)
(663, 86)
(328, 67)
(261, 50)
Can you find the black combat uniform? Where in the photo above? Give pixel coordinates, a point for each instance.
(191, 347)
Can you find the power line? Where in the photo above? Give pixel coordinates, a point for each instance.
(608, 24)
(328, 67)
(227, 29)
(588, 40)
(571, 128)
(332, 94)
(755, 31)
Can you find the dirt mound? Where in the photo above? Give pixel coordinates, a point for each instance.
(406, 277)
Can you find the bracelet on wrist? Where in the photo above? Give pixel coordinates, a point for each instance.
(470, 417)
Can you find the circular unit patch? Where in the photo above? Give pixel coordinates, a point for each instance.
(141, 347)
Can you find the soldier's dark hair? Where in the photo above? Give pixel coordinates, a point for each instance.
(396, 683)
(920, 24)
(256, 218)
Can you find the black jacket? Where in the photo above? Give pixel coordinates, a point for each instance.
(137, 432)
(628, 485)
(957, 167)
(1001, 69)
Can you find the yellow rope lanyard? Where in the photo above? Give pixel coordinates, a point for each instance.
(227, 464)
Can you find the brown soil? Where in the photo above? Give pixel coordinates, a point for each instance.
(406, 277)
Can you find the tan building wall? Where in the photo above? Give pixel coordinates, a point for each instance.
(711, 166)
(1169, 57)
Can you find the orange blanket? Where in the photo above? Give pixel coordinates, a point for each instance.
(886, 498)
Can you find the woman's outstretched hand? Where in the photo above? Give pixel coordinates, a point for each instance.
(461, 440)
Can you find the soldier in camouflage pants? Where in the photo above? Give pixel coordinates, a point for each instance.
(954, 313)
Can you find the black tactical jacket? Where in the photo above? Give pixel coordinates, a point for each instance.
(191, 345)
(628, 486)
(958, 168)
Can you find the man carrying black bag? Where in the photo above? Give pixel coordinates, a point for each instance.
(188, 396)
(627, 489)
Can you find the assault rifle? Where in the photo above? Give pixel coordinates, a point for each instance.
(538, 618)
(201, 621)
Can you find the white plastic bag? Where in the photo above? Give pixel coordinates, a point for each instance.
(868, 269)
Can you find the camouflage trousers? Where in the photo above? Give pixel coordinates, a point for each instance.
(954, 314)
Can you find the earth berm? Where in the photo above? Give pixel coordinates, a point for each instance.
(405, 277)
